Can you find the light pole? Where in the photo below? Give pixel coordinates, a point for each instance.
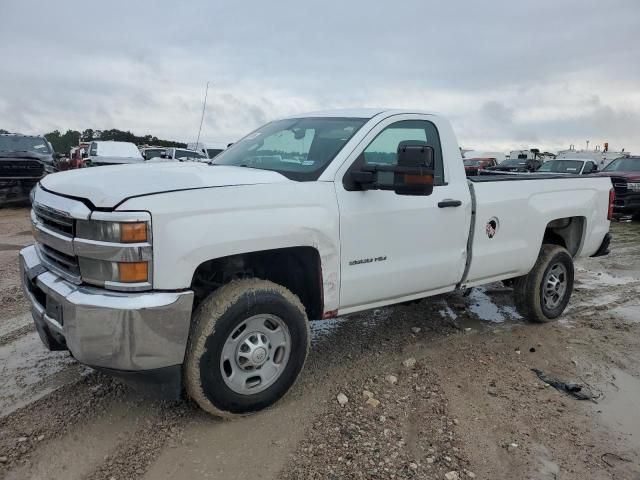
(204, 107)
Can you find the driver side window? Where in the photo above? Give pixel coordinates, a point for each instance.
(383, 150)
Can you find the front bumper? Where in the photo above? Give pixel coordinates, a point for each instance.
(129, 332)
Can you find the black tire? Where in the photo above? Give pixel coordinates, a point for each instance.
(216, 320)
(529, 289)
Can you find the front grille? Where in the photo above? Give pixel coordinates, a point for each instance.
(60, 223)
(55, 221)
(64, 263)
(21, 168)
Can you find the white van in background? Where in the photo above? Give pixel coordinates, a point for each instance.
(111, 152)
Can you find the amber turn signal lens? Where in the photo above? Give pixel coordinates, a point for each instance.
(133, 232)
(131, 272)
(418, 179)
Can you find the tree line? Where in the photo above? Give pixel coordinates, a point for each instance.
(63, 142)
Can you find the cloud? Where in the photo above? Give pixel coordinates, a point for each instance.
(507, 73)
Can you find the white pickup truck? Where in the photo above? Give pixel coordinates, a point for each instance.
(204, 276)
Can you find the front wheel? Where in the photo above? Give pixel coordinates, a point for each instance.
(248, 343)
(543, 294)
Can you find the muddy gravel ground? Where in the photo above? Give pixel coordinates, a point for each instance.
(440, 389)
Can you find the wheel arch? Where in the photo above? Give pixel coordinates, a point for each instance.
(567, 232)
(299, 269)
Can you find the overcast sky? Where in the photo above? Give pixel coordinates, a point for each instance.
(509, 74)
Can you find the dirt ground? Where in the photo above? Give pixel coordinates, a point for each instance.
(441, 389)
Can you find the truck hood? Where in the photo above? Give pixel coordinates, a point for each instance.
(630, 176)
(106, 187)
(19, 155)
(110, 160)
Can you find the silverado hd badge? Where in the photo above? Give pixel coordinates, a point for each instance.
(367, 260)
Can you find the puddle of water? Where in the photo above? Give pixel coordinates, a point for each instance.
(628, 313)
(620, 410)
(26, 368)
(590, 280)
(482, 306)
(323, 328)
(602, 299)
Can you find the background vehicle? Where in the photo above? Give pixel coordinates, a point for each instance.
(111, 153)
(205, 275)
(472, 166)
(153, 152)
(184, 155)
(569, 166)
(601, 156)
(517, 165)
(625, 176)
(24, 159)
(210, 149)
(78, 155)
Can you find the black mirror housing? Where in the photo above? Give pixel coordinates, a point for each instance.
(415, 173)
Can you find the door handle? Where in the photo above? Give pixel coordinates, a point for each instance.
(449, 203)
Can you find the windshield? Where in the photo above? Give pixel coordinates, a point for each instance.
(623, 165)
(298, 148)
(150, 153)
(189, 154)
(212, 152)
(561, 166)
(16, 143)
(471, 163)
(513, 163)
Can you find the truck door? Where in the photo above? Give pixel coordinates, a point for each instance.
(396, 246)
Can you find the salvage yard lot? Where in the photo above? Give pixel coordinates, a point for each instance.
(469, 407)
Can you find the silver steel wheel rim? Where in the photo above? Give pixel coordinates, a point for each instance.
(255, 354)
(555, 286)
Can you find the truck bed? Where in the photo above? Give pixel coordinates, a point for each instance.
(519, 215)
(506, 177)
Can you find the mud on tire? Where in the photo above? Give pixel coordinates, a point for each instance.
(534, 293)
(235, 329)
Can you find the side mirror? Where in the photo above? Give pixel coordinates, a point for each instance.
(413, 175)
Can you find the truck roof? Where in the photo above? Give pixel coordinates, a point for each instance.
(358, 113)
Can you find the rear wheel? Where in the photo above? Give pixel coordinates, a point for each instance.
(543, 294)
(247, 346)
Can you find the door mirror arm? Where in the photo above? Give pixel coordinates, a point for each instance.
(407, 180)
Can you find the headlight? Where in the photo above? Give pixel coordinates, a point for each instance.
(114, 250)
(634, 187)
(117, 232)
(102, 271)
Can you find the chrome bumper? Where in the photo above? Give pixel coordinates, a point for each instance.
(107, 329)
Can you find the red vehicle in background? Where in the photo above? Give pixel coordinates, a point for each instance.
(78, 154)
(472, 166)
